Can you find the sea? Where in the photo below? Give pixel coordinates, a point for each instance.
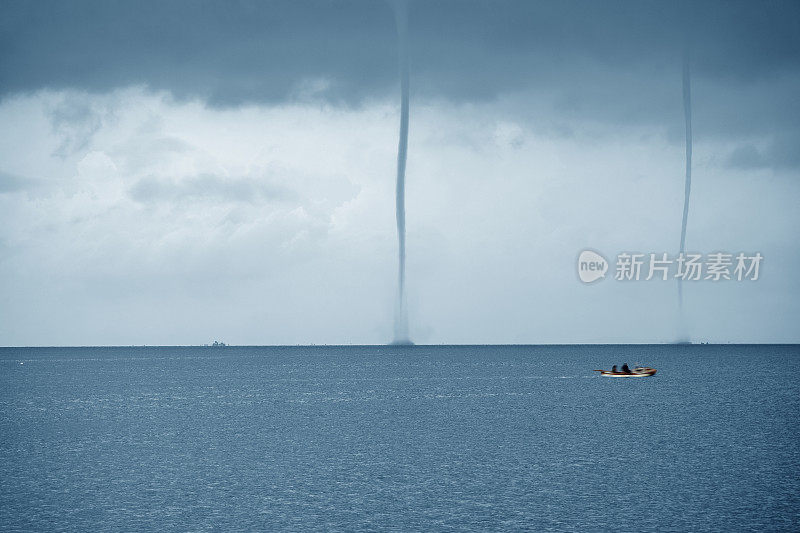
(407, 438)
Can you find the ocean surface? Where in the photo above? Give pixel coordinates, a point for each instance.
(423, 438)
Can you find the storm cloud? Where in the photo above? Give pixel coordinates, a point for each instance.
(613, 62)
(233, 164)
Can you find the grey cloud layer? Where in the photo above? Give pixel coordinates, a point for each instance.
(614, 62)
(211, 187)
(13, 183)
(233, 52)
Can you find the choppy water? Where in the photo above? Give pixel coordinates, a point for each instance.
(405, 439)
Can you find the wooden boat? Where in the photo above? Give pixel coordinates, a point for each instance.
(638, 372)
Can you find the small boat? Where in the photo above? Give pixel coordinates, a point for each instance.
(638, 372)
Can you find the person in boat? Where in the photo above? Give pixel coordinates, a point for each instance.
(614, 368)
(625, 368)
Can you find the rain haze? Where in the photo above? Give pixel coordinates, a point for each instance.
(179, 172)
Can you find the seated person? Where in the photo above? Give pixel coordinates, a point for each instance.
(614, 368)
(625, 368)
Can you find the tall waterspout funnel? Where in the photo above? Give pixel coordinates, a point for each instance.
(401, 312)
(687, 115)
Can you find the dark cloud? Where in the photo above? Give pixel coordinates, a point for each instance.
(210, 187)
(75, 121)
(10, 183)
(778, 154)
(226, 52)
(232, 52)
(616, 62)
(746, 157)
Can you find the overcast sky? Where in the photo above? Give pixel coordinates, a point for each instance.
(179, 172)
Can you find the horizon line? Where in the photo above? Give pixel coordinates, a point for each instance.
(388, 345)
